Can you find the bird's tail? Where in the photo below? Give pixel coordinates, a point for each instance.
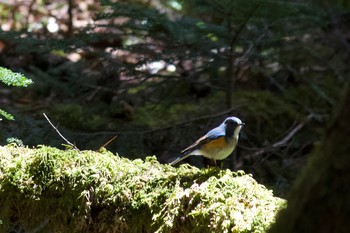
(179, 159)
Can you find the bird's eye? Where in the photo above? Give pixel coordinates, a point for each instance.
(230, 122)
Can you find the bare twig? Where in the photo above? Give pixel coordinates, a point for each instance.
(109, 141)
(227, 111)
(230, 66)
(281, 142)
(174, 125)
(68, 142)
(70, 17)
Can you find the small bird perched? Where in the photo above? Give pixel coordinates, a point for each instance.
(218, 143)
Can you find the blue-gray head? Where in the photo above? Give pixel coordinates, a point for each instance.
(232, 127)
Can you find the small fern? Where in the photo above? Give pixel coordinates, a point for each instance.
(12, 79)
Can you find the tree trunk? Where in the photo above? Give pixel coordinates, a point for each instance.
(320, 200)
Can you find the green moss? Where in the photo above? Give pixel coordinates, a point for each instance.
(90, 191)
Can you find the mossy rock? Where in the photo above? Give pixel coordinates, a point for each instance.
(51, 190)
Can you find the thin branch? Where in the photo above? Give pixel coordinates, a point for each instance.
(150, 131)
(231, 57)
(70, 17)
(242, 26)
(68, 142)
(109, 141)
(283, 141)
(192, 120)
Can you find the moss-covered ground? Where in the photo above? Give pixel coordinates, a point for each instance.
(50, 190)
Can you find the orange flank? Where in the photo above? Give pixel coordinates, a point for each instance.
(213, 146)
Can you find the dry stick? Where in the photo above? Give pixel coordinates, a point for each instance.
(284, 140)
(148, 131)
(109, 141)
(68, 142)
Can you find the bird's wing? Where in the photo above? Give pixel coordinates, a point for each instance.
(211, 135)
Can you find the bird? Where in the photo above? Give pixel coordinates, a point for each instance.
(218, 143)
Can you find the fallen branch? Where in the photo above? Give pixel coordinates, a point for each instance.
(68, 142)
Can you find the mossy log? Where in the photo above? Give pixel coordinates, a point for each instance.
(50, 190)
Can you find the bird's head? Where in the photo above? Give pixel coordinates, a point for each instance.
(233, 126)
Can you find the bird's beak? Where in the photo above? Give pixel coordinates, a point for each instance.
(242, 124)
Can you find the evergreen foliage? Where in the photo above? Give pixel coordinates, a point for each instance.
(47, 189)
(12, 79)
(7, 115)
